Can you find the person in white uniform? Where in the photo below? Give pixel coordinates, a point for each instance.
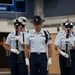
(65, 44)
(24, 33)
(62, 32)
(17, 68)
(37, 41)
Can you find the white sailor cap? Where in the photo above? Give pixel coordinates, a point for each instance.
(24, 20)
(68, 24)
(17, 21)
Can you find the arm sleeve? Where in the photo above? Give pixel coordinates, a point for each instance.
(49, 38)
(27, 39)
(58, 42)
(57, 37)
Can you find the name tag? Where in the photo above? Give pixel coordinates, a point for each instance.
(31, 36)
(42, 35)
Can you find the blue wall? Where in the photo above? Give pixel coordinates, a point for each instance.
(29, 14)
(59, 8)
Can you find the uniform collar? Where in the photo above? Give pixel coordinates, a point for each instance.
(70, 34)
(63, 31)
(36, 32)
(15, 32)
(25, 30)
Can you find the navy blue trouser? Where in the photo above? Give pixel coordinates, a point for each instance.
(64, 70)
(18, 68)
(38, 64)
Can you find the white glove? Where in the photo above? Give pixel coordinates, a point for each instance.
(27, 61)
(49, 61)
(64, 54)
(14, 51)
(19, 38)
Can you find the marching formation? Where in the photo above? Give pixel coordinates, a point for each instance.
(34, 48)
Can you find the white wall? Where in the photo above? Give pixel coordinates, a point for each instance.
(5, 25)
(55, 20)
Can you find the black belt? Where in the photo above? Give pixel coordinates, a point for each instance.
(22, 51)
(38, 53)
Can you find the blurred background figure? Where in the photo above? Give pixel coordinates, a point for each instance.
(15, 45)
(24, 33)
(62, 32)
(64, 44)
